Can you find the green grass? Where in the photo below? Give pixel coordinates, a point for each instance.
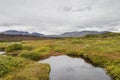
(33, 71)
(16, 68)
(30, 55)
(3, 46)
(13, 47)
(8, 63)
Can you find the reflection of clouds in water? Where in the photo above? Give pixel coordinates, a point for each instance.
(84, 67)
(2, 53)
(70, 69)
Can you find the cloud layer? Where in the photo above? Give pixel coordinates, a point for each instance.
(58, 16)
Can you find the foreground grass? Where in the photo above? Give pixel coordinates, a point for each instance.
(103, 50)
(15, 68)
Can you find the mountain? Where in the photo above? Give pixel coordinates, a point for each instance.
(15, 32)
(36, 34)
(81, 33)
(66, 34)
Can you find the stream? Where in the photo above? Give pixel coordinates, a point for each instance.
(67, 68)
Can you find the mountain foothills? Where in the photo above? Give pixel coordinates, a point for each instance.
(66, 34)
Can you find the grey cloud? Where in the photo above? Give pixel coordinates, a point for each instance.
(9, 24)
(58, 16)
(84, 9)
(67, 8)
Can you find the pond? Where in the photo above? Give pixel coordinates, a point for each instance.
(68, 68)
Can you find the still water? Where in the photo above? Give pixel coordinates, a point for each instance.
(68, 68)
(1, 52)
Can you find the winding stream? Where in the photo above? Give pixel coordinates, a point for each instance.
(68, 68)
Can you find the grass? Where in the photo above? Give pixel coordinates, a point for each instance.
(30, 55)
(33, 71)
(3, 46)
(16, 68)
(13, 47)
(8, 63)
(102, 50)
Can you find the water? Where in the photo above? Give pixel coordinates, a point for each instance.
(67, 68)
(1, 52)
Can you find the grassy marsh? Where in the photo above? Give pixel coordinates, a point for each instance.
(101, 50)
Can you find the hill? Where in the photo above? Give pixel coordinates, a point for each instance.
(15, 32)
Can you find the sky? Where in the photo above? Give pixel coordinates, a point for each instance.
(59, 16)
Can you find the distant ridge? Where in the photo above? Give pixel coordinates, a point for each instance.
(15, 32)
(81, 33)
(77, 33)
(66, 34)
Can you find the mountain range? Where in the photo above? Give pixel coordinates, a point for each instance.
(81, 33)
(66, 34)
(77, 33)
(15, 32)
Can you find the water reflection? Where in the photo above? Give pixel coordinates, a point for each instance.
(67, 68)
(1, 52)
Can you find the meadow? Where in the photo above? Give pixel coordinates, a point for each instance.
(100, 50)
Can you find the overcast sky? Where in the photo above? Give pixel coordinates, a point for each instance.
(58, 16)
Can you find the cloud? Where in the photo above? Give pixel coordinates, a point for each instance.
(58, 16)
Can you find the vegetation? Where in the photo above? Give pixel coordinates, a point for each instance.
(30, 55)
(25, 69)
(8, 63)
(33, 71)
(101, 50)
(3, 45)
(13, 47)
